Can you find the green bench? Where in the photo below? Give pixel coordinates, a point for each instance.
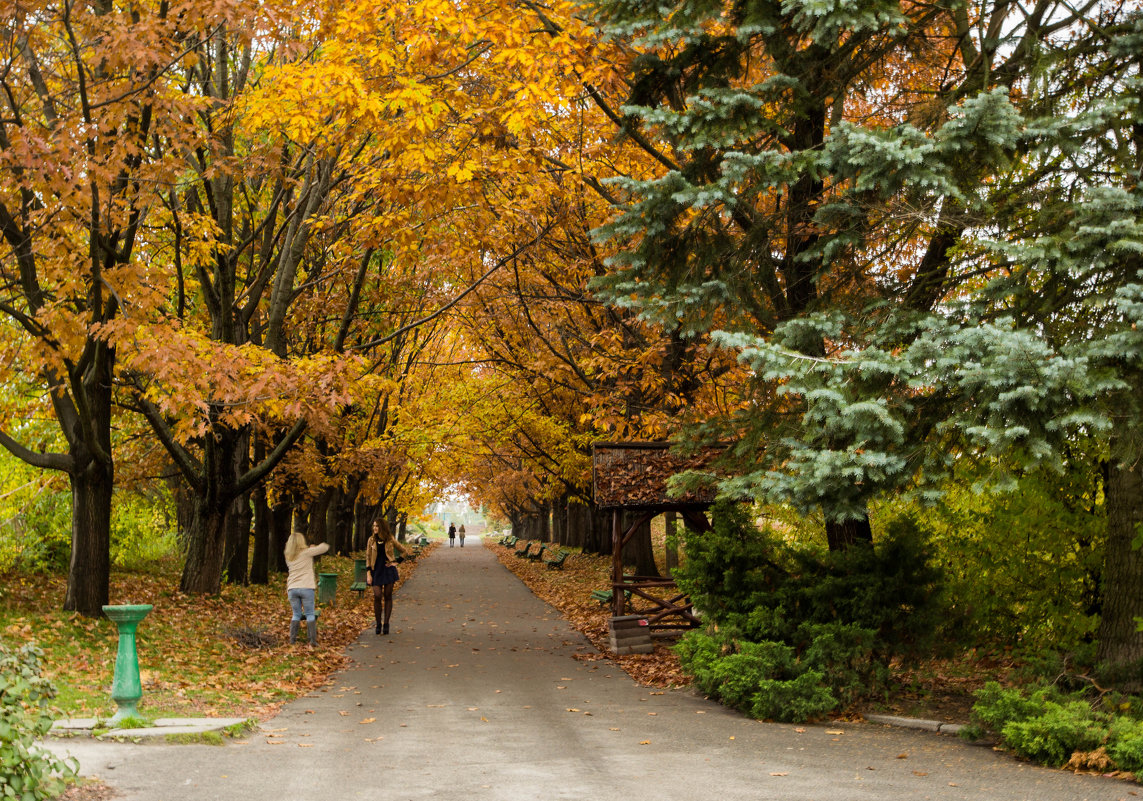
(604, 596)
(526, 549)
(358, 585)
(538, 555)
(558, 560)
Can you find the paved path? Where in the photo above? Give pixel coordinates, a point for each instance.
(484, 692)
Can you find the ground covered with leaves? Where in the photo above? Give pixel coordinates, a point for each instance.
(225, 656)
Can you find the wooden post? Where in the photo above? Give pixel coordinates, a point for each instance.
(616, 563)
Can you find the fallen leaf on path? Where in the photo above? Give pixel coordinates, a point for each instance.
(834, 731)
(784, 773)
(645, 742)
(902, 756)
(366, 720)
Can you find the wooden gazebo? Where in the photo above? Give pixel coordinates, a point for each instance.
(632, 477)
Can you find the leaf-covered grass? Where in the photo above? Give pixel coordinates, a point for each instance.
(195, 653)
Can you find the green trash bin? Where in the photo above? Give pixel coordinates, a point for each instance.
(327, 587)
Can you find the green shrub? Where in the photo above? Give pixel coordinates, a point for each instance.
(750, 578)
(1052, 736)
(141, 529)
(1048, 726)
(1021, 563)
(998, 706)
(796, 632)
(844, 656)
(27, 771)
(802, 698)
(767, 679)
(1125, 744)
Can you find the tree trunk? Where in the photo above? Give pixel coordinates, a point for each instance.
(92, 483)
(599, 532)
(260, 559)
(560, 520)
(281, 524)
(238, 541)
(343, 519)
(316, 527)
(89, 572)
(639, 553)
(1120, 652)
(672, 552)
(206, 547)
(844, 534)
(210, 534)
(578, 524)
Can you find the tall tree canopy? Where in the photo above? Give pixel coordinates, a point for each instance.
(903, 218)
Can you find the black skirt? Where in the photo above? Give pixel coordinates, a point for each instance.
(386, 574)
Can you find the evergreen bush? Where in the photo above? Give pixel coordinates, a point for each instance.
(1126, 744)
(27, 771)
(1048, 726)
(1052, 736)
(795, 633)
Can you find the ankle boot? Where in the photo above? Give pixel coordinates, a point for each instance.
(311, 627)
(294, 631)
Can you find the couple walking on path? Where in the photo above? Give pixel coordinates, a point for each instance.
(543, 715)
(453, 531)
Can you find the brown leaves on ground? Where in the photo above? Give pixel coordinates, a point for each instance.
(195, 654)
(569, 590)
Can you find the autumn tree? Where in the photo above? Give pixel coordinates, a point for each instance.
(86, 98)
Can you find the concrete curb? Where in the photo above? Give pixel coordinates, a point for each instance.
(85, 727)
(952, 729)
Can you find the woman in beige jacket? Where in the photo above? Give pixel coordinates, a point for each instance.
(381, 571)
(301, 583)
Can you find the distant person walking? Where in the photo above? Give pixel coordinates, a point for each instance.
(451, 534)
(381, 572)
(460, 532)
(301, 583)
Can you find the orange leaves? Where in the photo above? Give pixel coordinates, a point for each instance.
(195, 380)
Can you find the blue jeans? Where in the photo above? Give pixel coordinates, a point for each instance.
(302, 602)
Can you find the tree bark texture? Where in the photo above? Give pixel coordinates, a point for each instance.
(670, 524)
(1120, 651)
(844, 534)
(281, 523)
(236, 569)
(206, 548)
(89, 571)
(639, 553)
(260, 558)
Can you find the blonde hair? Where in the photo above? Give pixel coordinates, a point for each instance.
(295, 545)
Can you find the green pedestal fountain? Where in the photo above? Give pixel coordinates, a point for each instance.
(126, 690)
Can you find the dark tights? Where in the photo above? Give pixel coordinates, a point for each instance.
(382, 602)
